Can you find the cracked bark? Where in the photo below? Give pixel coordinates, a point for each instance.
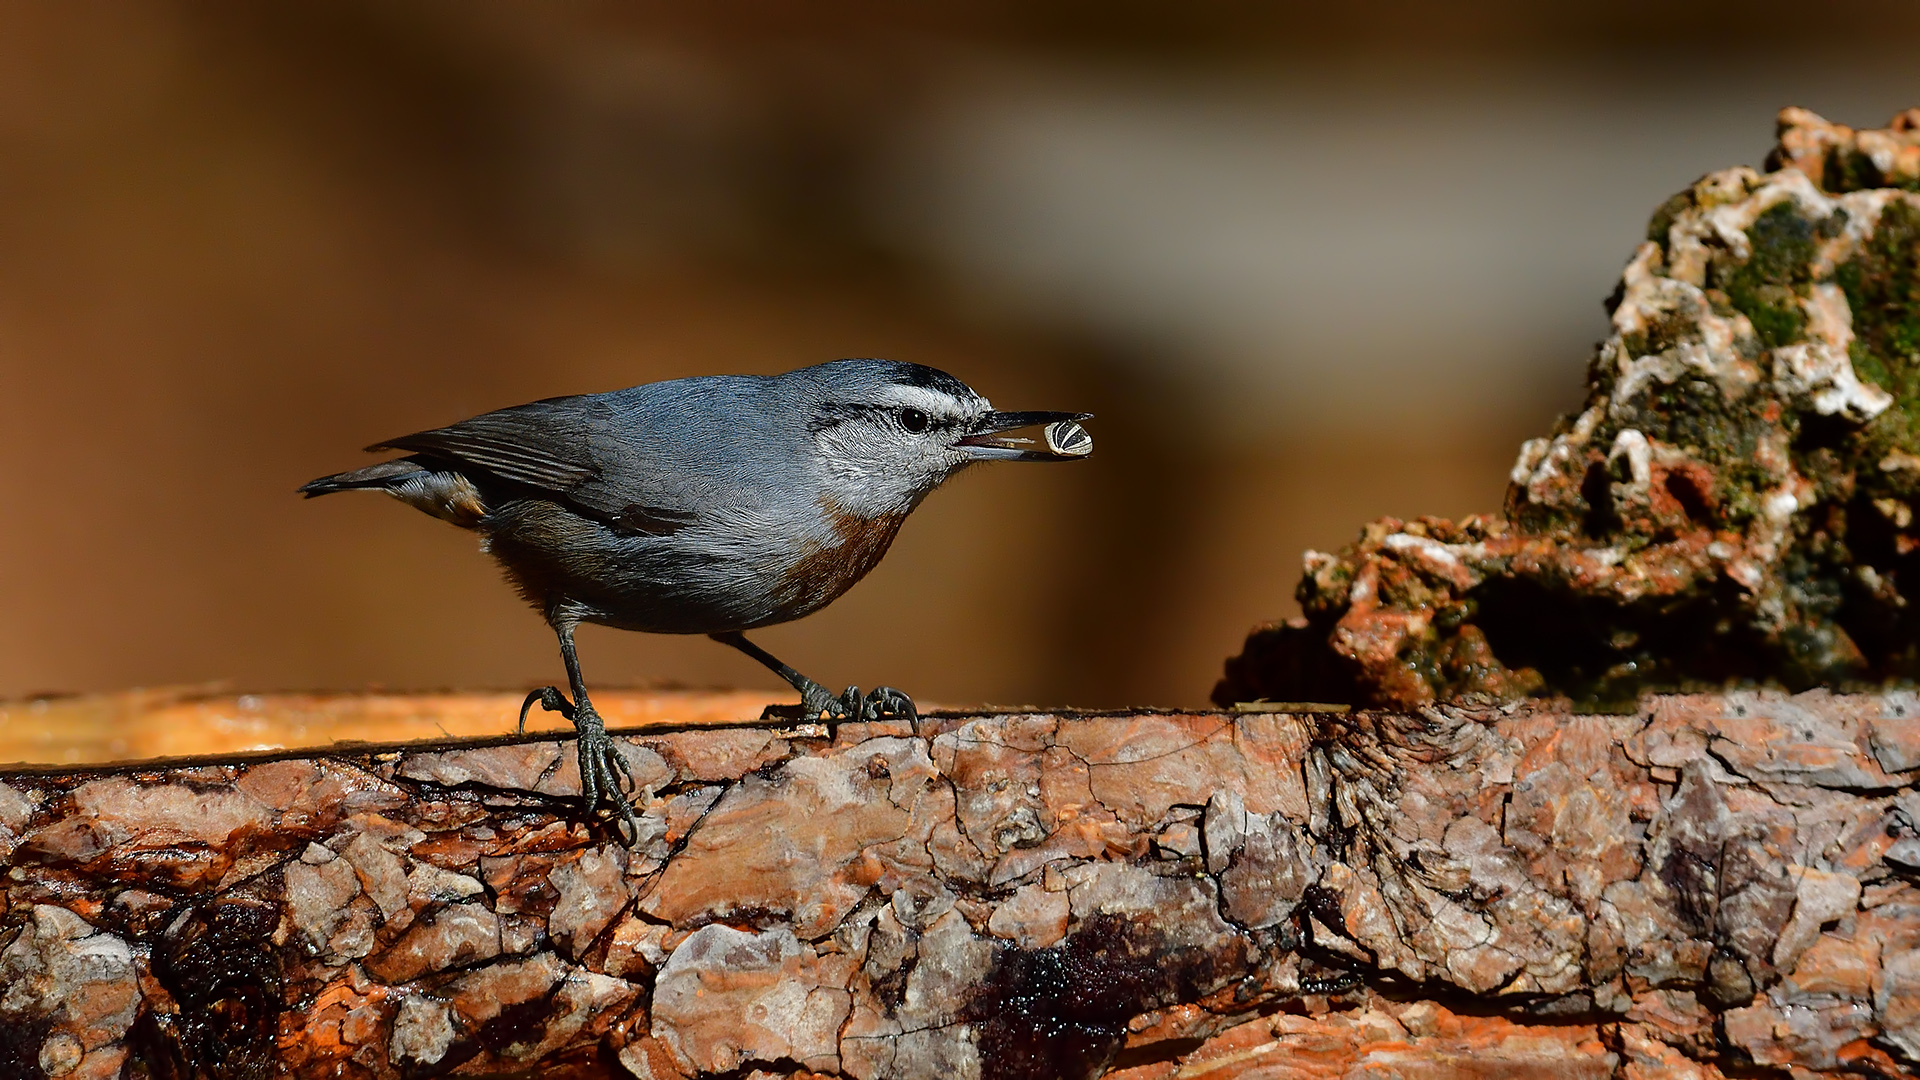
(1711, 884)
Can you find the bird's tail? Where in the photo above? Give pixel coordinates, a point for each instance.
(445, 494)
(383, 476)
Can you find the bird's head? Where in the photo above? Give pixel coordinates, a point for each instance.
(888, 433)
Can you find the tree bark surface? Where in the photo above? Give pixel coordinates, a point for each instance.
(1709, 885)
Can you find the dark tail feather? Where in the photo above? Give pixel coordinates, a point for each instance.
(380, 476)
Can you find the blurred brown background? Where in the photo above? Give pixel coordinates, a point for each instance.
(1310, 264)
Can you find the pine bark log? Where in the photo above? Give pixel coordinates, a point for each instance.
(1712, 884)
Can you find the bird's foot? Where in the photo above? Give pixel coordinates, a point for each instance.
(886, 703)
(605, 779)
(820, 705)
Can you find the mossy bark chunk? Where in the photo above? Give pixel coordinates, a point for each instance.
(1733, 504)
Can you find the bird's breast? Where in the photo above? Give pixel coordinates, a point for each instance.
(852, 545)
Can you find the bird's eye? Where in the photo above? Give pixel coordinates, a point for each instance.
(913, 420)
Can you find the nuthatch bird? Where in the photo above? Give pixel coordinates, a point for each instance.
(710, 505)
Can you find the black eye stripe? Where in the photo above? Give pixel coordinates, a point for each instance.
(830, 414)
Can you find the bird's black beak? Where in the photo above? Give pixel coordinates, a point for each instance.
(1061, 438)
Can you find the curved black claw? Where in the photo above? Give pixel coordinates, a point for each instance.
(886, 703)
(604, 777)
(550, 699)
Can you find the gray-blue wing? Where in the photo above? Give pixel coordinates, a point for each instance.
(566, 449)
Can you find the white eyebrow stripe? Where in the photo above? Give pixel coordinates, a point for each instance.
(931, 402)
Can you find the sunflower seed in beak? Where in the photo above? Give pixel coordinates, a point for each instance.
(1068, 439)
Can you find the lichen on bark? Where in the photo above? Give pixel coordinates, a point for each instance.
(1734, 503)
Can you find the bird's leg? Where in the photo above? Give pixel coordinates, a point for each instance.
(817, 702)
(604, 777)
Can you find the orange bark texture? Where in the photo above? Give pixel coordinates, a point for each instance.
(1713, 885)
